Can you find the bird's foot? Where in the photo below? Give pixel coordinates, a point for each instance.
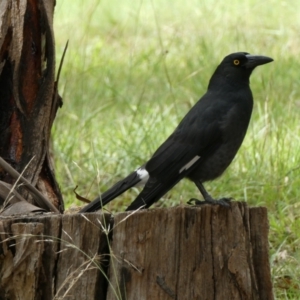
(223, 201)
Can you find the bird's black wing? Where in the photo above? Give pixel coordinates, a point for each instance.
(197, 135)
(198, 132)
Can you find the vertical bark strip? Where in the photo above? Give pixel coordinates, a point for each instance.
(27, 92)
(54, 257)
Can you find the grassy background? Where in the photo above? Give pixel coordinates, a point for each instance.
(132, 71)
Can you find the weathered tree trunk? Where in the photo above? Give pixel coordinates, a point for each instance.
(178, 253)
(28, 94)
(53, 257)
(191, 253)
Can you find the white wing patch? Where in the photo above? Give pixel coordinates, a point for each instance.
(143, 175)
(189, 164)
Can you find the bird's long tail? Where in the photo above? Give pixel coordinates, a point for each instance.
(116, 190)
(154, 190)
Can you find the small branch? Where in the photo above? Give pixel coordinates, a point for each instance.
(56, 96)
(7, 190)
(41, 200)
(61, 63)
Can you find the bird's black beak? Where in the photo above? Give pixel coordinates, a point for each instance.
(256, 60)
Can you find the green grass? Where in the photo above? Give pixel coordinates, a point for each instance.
(132, 71)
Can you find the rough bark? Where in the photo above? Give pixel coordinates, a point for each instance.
(209, 252)
(178, 253)
(20, 260)
(83, 261)
(28, 95)
(53, 257)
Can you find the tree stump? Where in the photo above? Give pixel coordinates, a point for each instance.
(53, 257)
(208, 252)
(82, 264)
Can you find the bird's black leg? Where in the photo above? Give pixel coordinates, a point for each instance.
(208, 198)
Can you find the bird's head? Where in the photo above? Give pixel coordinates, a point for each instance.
(239, 66)
(244, 61)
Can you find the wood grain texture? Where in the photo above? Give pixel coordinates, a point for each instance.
(20, 258)
(207, 252)
(53, 257)
(82, 261)
(185, 252)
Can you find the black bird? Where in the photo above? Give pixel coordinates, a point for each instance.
(205, 141)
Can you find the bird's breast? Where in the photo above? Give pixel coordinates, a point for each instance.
(233, 126)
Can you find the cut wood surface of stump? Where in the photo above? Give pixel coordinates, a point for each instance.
(208, 252)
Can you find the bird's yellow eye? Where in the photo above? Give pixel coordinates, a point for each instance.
(236, 62)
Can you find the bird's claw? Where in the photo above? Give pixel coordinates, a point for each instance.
(194, 201)
(223, 202)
